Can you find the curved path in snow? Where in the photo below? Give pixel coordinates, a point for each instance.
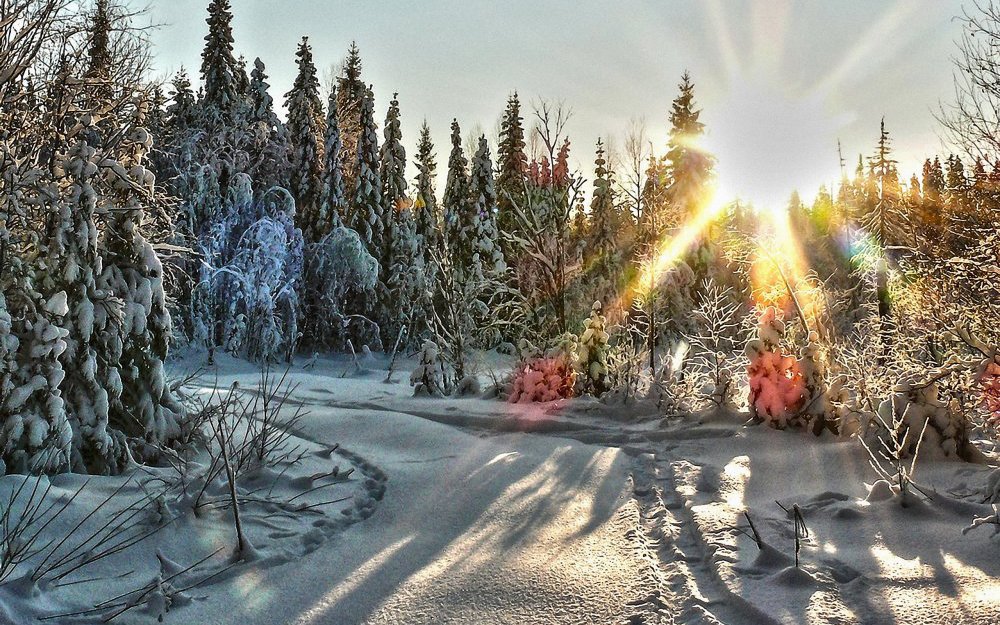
(512, 528)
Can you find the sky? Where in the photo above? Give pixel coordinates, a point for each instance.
(779, 82)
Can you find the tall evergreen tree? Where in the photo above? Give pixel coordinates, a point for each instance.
(305, 129)
(455, 201)
(881, 217)
(333, 201)
(603, 220)
(367, 210)
(482, 219)
(425, 204)
(688, 165)
(269, 136)
(351, 92)
(512, 165)
(218, 65)
(392, 171)
(99, 53)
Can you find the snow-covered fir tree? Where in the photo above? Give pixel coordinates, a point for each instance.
(133, 273)
(487, 255)
(425, 203)
(512, 171)
(305, 130)
(218, 65)
(269, 136)
(592, 357)
(333, 199)
(367, 210)
(393, 253)
(455, 203)
(351, 93)
(689, 166)
(93, 382)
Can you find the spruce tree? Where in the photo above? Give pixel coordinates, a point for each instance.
(689, 166)
(93, 383)
(333, 201)
(367, 209)
(482, 217)
(455, 202)
(425, 204)
(602, 211)
(512, 166)
(881, 218)
(305, 129)
(351, 91)
(392, 171)
(269, 136)
(99, 54)
(218, 65)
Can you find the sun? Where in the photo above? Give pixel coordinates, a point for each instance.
(767, 136)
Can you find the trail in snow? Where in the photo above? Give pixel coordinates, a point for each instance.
(506, 528)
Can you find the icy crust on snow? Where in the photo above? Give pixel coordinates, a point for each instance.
(872, 555)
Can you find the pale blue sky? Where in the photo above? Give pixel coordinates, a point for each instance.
(779, 81)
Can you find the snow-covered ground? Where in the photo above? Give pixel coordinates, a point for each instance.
(477, 511)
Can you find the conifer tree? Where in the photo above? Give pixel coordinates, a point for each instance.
(425, 204)
(689, 166)
(880, 219)
(512, 165)
(602, 212)
(218, 65)
(93, 383)
(269, 136)
(392, 171)
(305, 129)
(482, 220)
(367, 210)
(147, 407)
(351, 92)
(455, 202)
(99, 54)
(333, 200)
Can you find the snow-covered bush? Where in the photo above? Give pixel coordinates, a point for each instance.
(918, 417)
(593, 354)
(548, 376)
(428, 377)
(825, 396)
(251, 279)
(714, 357)
(339, 281)
(776, 386)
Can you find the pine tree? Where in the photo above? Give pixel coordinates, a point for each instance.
(351, 92)
(305, 129)
(392, 171)
(512, 164)
(425, 204)
(367, 211)
(455, 202)
(269, 136)
(602, 212)
(218, 65)
(880, 219)
(482, 221)
(689, 166)
(333, 201)
(93, 383)
(99, 54)
(134, 274)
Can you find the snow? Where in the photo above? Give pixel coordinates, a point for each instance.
(481, 511)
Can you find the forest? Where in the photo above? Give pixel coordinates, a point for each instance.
(228, 315)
